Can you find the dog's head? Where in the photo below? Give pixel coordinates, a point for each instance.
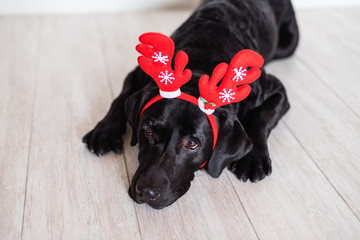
(177, 136)
(175, 139)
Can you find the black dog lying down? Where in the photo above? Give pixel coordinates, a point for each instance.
(175, 137)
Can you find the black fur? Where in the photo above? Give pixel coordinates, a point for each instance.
(215, 32)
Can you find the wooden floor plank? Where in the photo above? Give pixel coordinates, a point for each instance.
(18, 73)
(72, 194)
(328, 130)
(296, 201)
(120, 39)
(339, 26)
(325, 105)
(332, 53)
(346, 19)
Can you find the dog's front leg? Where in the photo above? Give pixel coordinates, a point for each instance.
(258, 123)
(108, 133)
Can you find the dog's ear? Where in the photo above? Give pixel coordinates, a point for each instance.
(133, 106)
(232, 144)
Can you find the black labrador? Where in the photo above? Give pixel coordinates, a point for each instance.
(174, 136)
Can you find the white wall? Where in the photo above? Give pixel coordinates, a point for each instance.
(86, 6)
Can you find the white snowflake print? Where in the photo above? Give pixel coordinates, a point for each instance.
(166, 77)
(158, 57)
(226, 95)
(239, 74)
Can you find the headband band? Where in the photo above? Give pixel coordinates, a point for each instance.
(193, 100)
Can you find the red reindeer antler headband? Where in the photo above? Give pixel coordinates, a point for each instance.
(157, 51)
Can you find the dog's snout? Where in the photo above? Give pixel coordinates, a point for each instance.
(147, 193)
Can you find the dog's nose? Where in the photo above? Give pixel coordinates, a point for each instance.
(147, 193)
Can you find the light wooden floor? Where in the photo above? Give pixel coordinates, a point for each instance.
(58, 76)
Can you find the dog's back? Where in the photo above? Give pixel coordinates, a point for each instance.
(220, 28)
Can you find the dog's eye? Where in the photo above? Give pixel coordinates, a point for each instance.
(192, 144)
(149, 129)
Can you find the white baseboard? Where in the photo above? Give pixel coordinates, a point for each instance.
(84, 6)
(103, 6)
(325, 3)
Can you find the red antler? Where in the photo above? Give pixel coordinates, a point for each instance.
(157, 50)
(234, 86)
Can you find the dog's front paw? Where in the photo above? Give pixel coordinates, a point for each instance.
(254, 167)
(103, 139)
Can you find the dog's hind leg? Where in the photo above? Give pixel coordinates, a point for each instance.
(107, 135)
(258, 123)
